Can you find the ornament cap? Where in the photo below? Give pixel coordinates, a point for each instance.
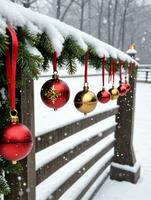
(14, 116)
(14, 162)
(86, 87)
(55, 75)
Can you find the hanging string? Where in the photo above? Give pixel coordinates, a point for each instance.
(11, 62)
(113, 71)
(110, 70)
(54, 61)
(86, 67)
(126, 72)
(121, 71)
(103, 71)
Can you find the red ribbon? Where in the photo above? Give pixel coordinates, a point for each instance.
(113, 71)
(11, 62)
(54, 61)
(110, 70)
(103, 71)
(121, 71)
(86, 67)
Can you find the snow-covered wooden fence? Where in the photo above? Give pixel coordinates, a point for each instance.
(144, 73)
(72, 157)
(73, 161)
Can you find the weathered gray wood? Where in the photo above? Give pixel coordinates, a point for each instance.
(102, 169)
(23, 188)
(80, 172)
(64, 132)
(100, 185)
(55, 164)
(124, 151)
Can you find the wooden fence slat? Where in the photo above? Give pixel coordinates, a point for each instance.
(55, 164)
(24, 187)
(94, 179)
(80, 172)
(55, 136)
(99, 186)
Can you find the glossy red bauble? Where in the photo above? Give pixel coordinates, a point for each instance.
(127, 85)
(15, 142)
(55, 93)
(103, 96)
(122, 89)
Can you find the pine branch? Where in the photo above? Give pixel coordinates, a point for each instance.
(3, 43)
(29, 63)
(4, 187)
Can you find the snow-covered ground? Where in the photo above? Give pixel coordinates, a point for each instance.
(113, 190)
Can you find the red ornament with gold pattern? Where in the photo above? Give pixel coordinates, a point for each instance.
(15, 138)
(103, 96)
(55, 93)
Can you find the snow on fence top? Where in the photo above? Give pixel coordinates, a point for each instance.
(57, 31)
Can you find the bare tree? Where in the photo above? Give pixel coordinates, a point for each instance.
(66, 10)
(114, 21)
(109, 20)
(89, 15)
(100, 11)
(58, 11)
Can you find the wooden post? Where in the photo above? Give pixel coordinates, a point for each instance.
(23, 186)
(124, 152)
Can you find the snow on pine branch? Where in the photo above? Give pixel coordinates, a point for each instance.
(57, 31)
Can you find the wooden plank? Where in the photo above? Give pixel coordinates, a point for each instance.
(124, 151)
(26, 110)
(80, 172)
(94, 179)
(55, 136)
(100, 185)
(52, 166)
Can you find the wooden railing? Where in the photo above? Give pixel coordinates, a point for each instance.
(144, 73)
(68, 153)
(74, 160)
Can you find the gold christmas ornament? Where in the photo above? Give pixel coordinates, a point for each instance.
(114, 93)
(85, 101)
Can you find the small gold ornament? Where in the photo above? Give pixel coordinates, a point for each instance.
(114, 93)
(85, 101)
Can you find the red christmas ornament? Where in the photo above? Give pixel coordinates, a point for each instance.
(15, 142)
(122, 89)
(103, 96)
(127, 85)
(55, 93)
(15, 138)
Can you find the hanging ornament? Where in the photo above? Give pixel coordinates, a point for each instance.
(103, 96)
(122, 88)
(55, 93)
(127, 85)
(15, 138)
(113, 91)
(85, 101)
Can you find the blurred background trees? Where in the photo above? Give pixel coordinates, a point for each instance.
(117, 22)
